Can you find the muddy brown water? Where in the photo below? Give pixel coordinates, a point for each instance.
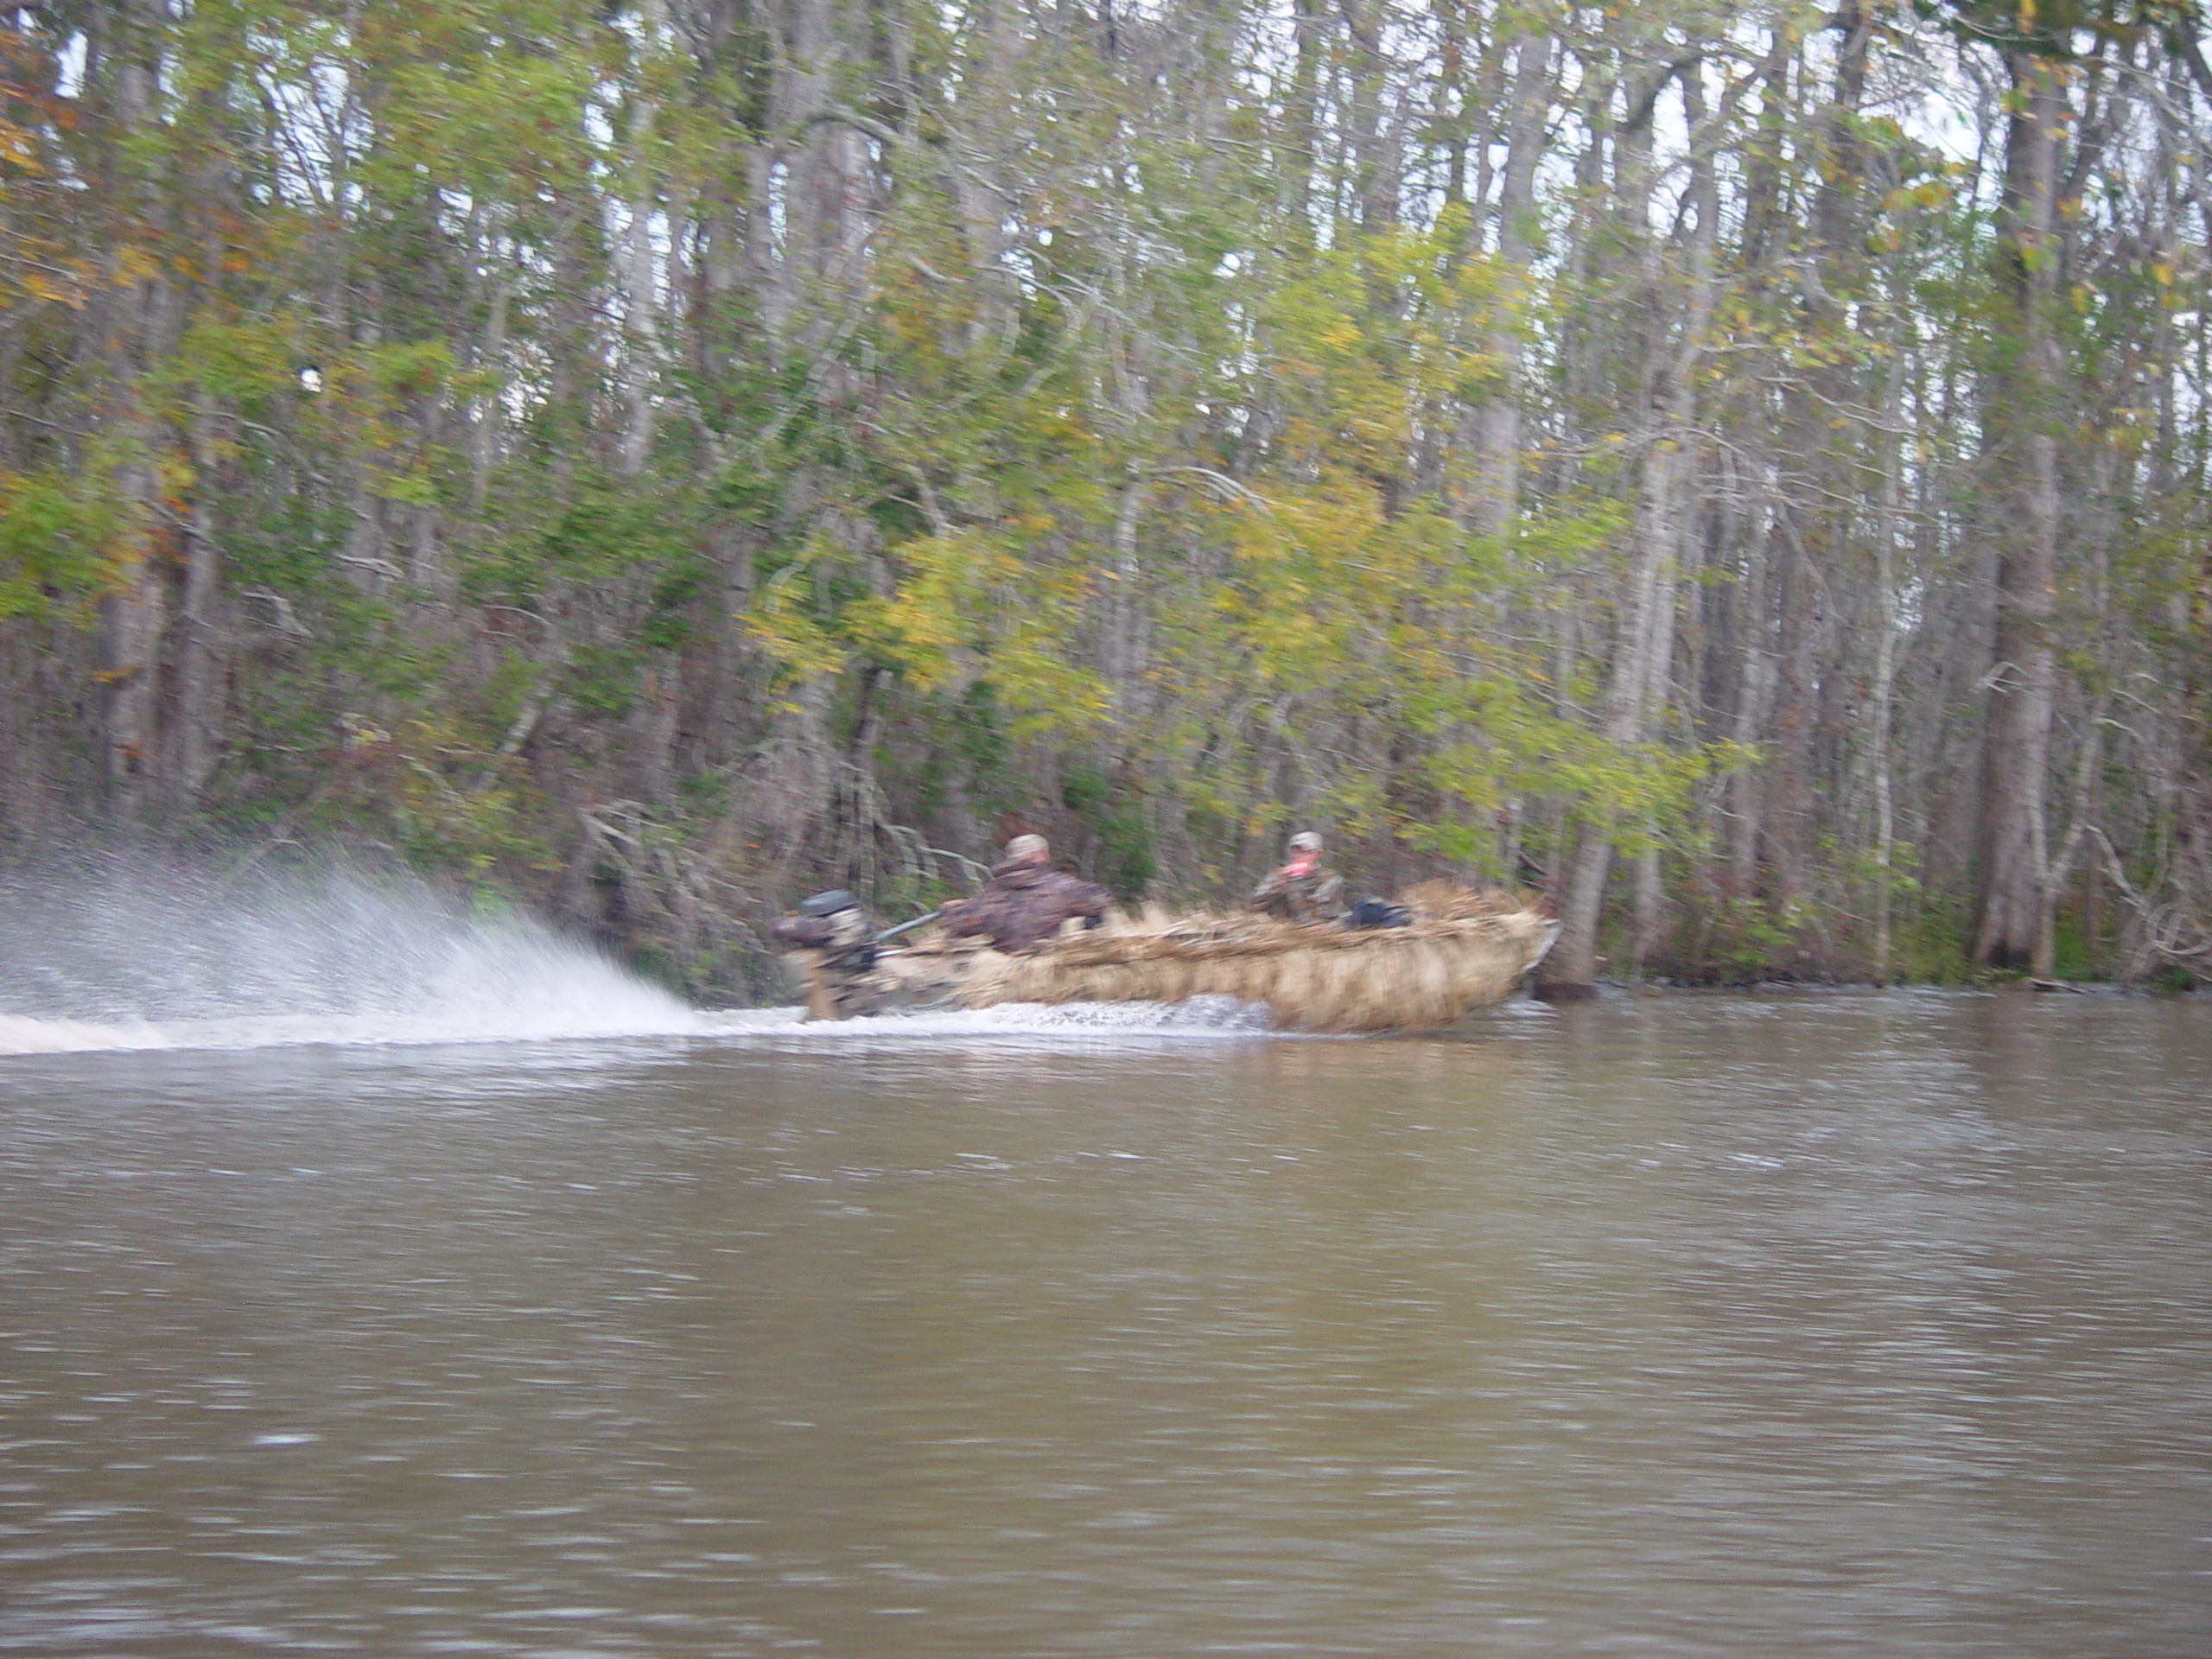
(1858, 1324)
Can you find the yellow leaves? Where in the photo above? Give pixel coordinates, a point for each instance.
(1339, 333)
(935, 616)
(31, 267)
(1319, 589)
(17, 147)
(964, 603)
(1047, 693)
(48, 283)
(131, 263)
(1377, 332)
(34, 269)
(793, 640)
(1907, 202)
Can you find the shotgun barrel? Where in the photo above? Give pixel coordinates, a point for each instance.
(903, 927)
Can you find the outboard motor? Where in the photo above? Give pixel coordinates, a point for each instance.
(834, 931)
(832, 921)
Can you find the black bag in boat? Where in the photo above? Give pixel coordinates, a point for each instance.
(1378, 912)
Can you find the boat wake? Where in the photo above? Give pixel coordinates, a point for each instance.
(1201, 1016)
(649, 1015)
(139, 960)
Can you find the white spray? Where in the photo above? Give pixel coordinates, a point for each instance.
(131, 956)
(140, 956)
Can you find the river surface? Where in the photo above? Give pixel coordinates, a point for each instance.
(1868, 1323)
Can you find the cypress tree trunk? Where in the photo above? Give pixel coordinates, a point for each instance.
(2021, 462)
(1497, 426)
(1814, 523)
(198, 734)
(1643, 640)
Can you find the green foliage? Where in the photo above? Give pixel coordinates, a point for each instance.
(604, 528)
(64, 536)
(2059, 30)
(1125, 861)
(1124, 439)
(979, 739)
(1743, 940)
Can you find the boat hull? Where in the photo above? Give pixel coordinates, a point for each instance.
(1462, 951)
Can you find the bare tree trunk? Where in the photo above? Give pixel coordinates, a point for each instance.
(2022, 463)
(1755, 680)
(1882, 693)
(199, 655)
(1301, 116)
(1497, 423)
(130, 632)
(1813, 524)
(1375, 162)
(1123, 613)
(640, 299)
(808, 183)
(134, 617)
(485, 414)
(1644, 639)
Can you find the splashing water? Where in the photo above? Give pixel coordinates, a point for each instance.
(1053, 1025)
(138, 958)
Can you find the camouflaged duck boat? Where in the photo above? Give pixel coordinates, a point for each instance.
(1453, 950)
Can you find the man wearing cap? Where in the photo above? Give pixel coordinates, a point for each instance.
(1026, 901)
(1301, 891)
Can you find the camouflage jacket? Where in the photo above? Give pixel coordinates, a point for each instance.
(1023, 904)
(1316, 896)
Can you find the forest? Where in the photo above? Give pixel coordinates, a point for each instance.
(1738, 471)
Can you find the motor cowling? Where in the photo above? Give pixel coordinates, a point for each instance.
(826, 921)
